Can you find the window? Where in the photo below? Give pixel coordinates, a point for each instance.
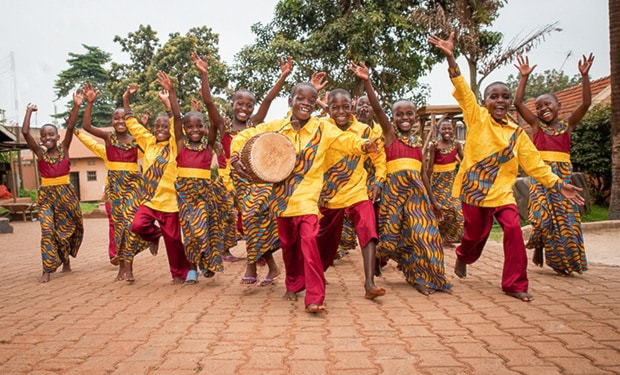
(91, 176)
(91, 162)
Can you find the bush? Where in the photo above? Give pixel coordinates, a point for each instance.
(23, 193)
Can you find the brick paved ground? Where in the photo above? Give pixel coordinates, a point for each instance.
(84, 322)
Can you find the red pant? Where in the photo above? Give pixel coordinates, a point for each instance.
(169, 227)
(478, 222)
(302, 261)
(111, 241)
(362, 214)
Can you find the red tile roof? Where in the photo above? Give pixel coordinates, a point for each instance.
(570, 98)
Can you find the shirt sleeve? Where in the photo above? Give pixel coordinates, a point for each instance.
(345, 142)
(467, 101)
(95, 147)
(532, 163)
(379, 161)
(239, 140)
(137, 130)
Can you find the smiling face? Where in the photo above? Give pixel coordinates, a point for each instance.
(547, 107)
(446, 131)
(302, 101)
(118, 121)
(243, 105)
(404, 116)
(49, 137)
(161, 129)
(497, 100)
(339, 108)
(364, 111)
(194, 126)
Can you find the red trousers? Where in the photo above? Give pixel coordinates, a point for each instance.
(302, 261)
(362, 214)
(111, 241)
(478, 223)
(169, 227)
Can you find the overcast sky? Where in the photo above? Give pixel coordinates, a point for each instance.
(41, 33)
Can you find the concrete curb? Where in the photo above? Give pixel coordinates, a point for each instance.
(587, 227)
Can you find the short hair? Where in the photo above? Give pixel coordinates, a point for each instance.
(496, 83)
(555, 98)
(337, 92)
(299, 85)
(243, 91)
(446, 121)
(50, 125)
(403, 101)
(192, 114)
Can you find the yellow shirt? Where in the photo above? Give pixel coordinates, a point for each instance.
(378, 158)
(299, 194)
(492, 155)
(165, 197)
(345, 177)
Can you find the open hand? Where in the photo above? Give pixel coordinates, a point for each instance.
(165, 81)
(131, 89)
(445, 45)
(585, 64)
(89, 92)
(286, 66)
(572, 193)
(524, 65)
(371, 146)
(241, 170)
(318, 80)
(78, 97)
(200, 63)
(196, 105)
(361, 71)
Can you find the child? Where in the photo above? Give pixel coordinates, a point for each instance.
(60, 215)
(442, 165)
(160, 200)
(344, 191)
(493, 152)
(295, 200)
(124, 181)
(556, 223)
(196, 191)
(259, 225)
(407, 224)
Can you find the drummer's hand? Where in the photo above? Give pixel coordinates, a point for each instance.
(375, 192)
(371, 146)
(241, 170)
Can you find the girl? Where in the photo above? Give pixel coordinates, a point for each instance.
(196, 191)
(60, 215)
(407, 215)
(259, 226)
(124, 187)
(441, 172)
(556, 222)
(160, 200)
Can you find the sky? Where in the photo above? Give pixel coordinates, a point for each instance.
(40, 34)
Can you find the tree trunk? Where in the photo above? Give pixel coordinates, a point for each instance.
(473, 78)
(614, 51)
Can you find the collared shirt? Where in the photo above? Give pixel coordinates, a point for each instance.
(165, 197)
(298, 194)
(492, 156)
(345, 177)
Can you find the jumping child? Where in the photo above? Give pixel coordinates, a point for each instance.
(60, 215)
(556, 222)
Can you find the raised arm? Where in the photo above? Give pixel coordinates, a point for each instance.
(166, 82)
(286, 67)
(319, 82)
(139, 132)
(32, 143)
(215, 117)
(91, 95)
(361, 72)
(78, 98)
(525, 70)
(586, 93)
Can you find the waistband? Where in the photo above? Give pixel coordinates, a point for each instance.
(53, 181)
(193, 172)
(444, 167)
(403, 164)
(122, 166)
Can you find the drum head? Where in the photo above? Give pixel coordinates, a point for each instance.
(272, 157)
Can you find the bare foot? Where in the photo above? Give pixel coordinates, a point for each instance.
(114, 260)
(424, 289)
(561, 272)
(374, 292)
(45, 277)
(460, 269)
(177, 281)
(66, 266)
(290, 296)
(537, 258)
(154, 247)
(120, 276)
(129, 277)
(523, 296)
(313, 308)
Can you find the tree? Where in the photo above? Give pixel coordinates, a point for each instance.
(614, 47)
(174, 57)
(591, 151)
(549, 81)
(88, 67)
(481, 47)
(325, 35)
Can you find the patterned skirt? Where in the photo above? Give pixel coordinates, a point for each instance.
(62, 228)
(451, 225)
(556, 225)
(260, 227)
(229, 208)
(408, 231)
(201, 221)
(348, 241)
(124, 192)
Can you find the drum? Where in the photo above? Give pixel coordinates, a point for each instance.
(268, 157)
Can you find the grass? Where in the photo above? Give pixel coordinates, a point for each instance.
(88, 206)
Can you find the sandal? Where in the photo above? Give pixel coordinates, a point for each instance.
(230, 258)
(192, 277)
(208, 273)
(248, 280)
